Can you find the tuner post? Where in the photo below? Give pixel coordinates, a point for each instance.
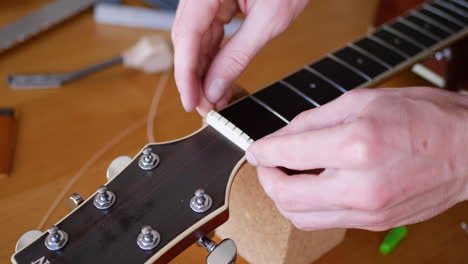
(104, 199)
(56, 239)
(148, 160)
(148, 238)
(201, 202)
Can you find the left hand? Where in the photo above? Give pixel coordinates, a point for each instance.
(391, 157)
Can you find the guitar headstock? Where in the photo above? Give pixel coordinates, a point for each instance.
(168, 197)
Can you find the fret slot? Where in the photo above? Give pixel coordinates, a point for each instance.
(435, 30)
(450, 13)
(283, 100)
(361, 62)
(413, 34)
(400, 43)
(317, 89)
(252, 118)
(385, 54)
(339, 73)
(439, 19)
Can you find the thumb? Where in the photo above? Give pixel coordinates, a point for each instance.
(237, 53)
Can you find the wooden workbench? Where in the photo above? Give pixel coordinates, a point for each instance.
(59, 129)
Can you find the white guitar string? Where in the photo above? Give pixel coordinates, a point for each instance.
(162, 83)
(154, 106)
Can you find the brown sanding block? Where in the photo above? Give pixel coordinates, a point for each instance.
(7, 140)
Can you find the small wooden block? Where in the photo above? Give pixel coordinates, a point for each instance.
(7, 140)
(262, 234)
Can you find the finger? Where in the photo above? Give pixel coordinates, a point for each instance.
(323, 148)
(302, 193)
(204, 105)
(225, 100)
(321, 219)
(235, 55)
(193, 19)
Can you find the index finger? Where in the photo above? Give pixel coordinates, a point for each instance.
(331, 147)
(192, 20)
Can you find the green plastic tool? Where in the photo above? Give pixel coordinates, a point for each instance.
(392, 239)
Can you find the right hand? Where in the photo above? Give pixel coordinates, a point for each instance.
(204, 71)
(391, 157)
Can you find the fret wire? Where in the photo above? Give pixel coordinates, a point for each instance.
(444, 15)
(387, 46)
(350, 67)
(452, 7)
(294, 89)
(456, 15)
(426, 33)
(267, 107)
(325, 78)
(434, 26)
(438, 27)
(358, 49)
(461, 2)
(430, 20)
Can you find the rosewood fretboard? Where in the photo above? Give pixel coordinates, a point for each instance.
(390, 48)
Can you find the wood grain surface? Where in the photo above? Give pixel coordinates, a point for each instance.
(60, 129)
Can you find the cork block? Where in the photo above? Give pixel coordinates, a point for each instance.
(262, 234)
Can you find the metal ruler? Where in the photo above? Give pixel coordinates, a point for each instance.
(40, 20)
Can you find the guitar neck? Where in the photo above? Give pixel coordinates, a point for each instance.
(378, 55)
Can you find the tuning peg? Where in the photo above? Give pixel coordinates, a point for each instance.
(223, 253)
(117, 166)
(27, 238)
(74, 201)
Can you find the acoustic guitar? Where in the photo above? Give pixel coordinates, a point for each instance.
(172, 195)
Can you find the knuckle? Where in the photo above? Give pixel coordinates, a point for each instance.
(364, 143)
(355, 93)
(301, 117)
(237, 61)
(374, 197)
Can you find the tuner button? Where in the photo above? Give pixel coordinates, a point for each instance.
(224, 253)
(104, 199)
(148, 160)
(201, 202)
(27, 238)
(148, 238)
(117, 166)
(74, 201)
(56, 239)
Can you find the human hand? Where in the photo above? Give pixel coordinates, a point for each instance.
(391, 157)
(204, 71)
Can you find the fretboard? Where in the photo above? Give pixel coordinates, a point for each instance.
(365, 62)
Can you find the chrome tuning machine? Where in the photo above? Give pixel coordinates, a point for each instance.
(222, 253)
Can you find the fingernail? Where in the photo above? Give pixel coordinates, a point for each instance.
(186, 105)
(201, 111)
(251, 159)
(216, 90)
